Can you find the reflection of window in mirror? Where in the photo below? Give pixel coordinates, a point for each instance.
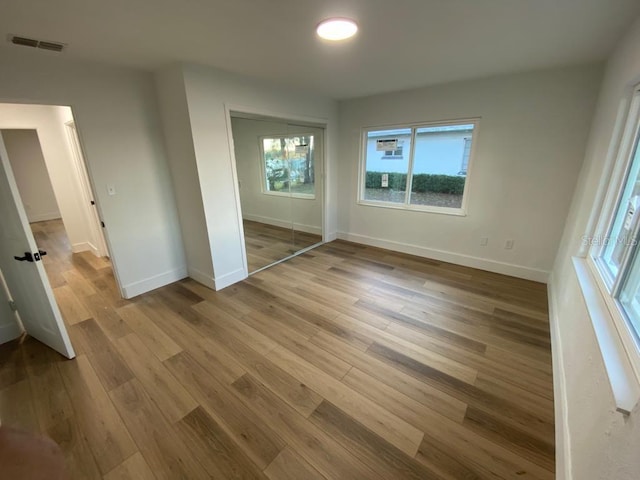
(288, 166)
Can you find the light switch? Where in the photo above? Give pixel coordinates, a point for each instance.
(111, 189)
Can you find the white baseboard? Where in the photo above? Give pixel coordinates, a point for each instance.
(300, 227)
(9, 332)
(138, 288)
(229, 279)
(201, 277)
(85, 247)
(459, 259)
(563, 439)
(331, 236)
(43, 217)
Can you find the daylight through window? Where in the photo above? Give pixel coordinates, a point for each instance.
(288, 165)
(422, 167)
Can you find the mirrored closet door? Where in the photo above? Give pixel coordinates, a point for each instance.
(279, 166)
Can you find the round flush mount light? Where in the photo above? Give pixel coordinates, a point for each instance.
(336, 29)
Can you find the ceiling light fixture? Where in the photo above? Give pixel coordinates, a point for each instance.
(336, 29)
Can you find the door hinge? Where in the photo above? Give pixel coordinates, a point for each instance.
(102, 224)
(93, 202)
(13, 306)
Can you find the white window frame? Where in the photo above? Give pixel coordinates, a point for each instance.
(263, 167)
(462, 211)
(622, 353)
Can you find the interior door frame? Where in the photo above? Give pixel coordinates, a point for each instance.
(87, 191)
(78, 122)
(316, 122)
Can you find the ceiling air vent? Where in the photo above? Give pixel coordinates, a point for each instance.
(31, 42)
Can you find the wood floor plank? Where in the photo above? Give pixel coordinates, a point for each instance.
(158, 342)
(348, 361)
(12, 364)
(78, 284)
(288, 465)
(108, 364)
(16, 406)
(106, 435)
(420, 392)
(257, 440)
(467, 393)
(220, 456)
(73, 310)
(259, 342)
(396, 431)
(166, 391)
(298, 395)
(369, 447)
(133, 468)
(167, 458)
(475, 452)
(78, 456)
(527, 445)
(310, 442)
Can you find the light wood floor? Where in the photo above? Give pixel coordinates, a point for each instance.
(347, 362)
(267, 244)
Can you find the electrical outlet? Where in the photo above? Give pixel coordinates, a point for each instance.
(508, 244)
(484, 241)
(111, 189)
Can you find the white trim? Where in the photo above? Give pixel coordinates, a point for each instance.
(85, 247)
(495, 266)
(459, 212)
(151, 283)
(201, 277)
(9, 332)
(43, 217)
(315, 122)
(229, 279)
(563, 438)
(407, 205)
(299, 227)
(263, 165)
(88, 209)
(622, 378)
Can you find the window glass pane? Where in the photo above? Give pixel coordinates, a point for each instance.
(387, 165)
(630, 296)
(625, 219)
(289, 165)
(440, 165)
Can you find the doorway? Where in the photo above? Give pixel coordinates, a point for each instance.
(47, 162)
(279, 163)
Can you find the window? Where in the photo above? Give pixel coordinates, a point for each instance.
(393, 154)
(614, 252)
(417, 167)
(288, 165)
(466, 153)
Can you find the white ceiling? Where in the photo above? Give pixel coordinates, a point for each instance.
(401, 44)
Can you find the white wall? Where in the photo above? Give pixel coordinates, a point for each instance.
(209, 92)
(595, 441)
(30, 172)
(63, 177)
(304, 214)
(118, 123)
(529, 148)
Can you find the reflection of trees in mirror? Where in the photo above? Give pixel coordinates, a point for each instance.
(289, 164)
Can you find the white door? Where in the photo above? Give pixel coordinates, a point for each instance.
(27, 280)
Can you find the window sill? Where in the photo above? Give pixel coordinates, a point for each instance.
(301, 196)
(459, 212)
(622, 378)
